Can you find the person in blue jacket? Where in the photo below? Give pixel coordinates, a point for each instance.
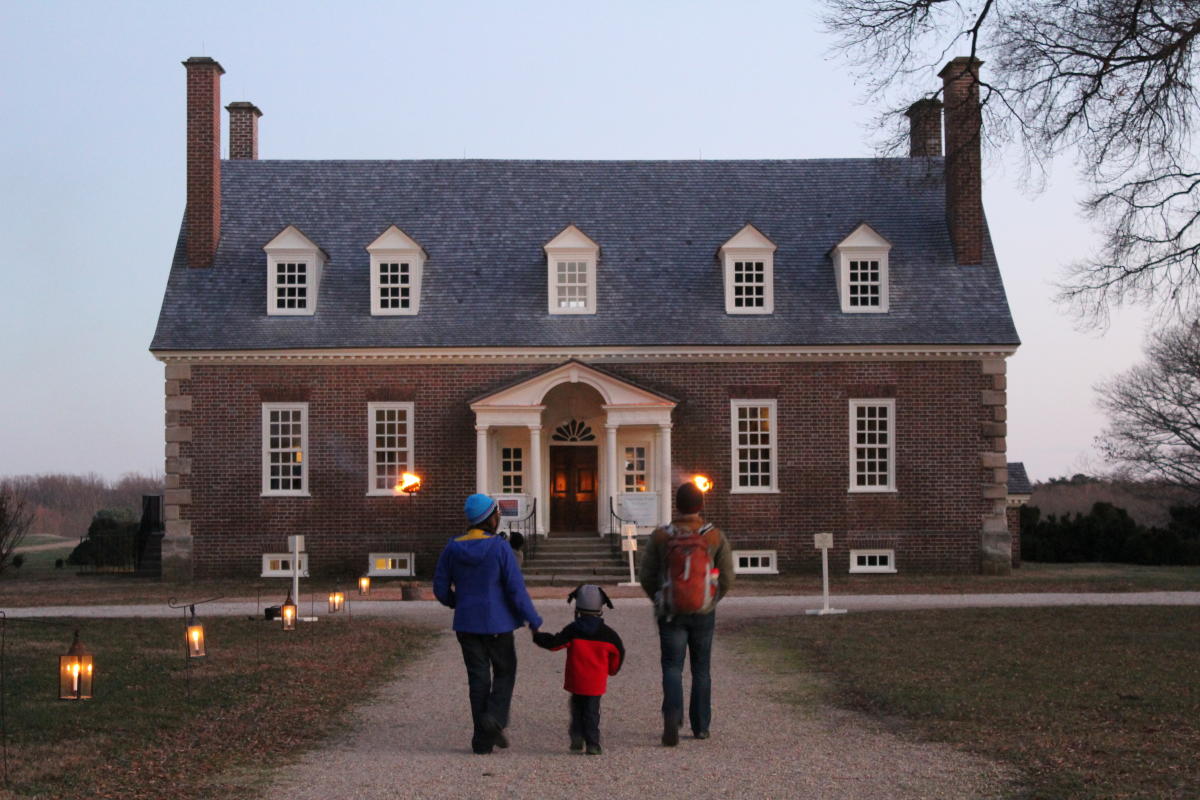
(477, 575)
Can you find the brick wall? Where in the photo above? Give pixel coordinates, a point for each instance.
(933, 521)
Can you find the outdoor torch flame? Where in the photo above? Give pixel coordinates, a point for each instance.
(702, 482)
(407, 484)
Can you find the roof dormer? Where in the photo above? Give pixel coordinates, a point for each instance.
(748, 263)
(294, 264)
(397, 263)
(571, 259)
(860, 264)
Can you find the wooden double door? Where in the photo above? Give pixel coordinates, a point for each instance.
(573, 488)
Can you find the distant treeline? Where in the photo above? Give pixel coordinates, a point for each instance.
(65, 504)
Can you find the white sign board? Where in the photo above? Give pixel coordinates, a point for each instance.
(822, 541)
(295, 544)
(639, 507)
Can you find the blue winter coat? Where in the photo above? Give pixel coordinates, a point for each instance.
(477, 575)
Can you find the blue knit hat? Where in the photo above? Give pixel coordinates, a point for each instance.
(478, 508)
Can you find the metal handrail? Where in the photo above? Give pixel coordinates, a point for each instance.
(527, 527)
(615, 522)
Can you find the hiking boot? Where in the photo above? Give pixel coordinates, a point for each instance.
(702, 735)
(670, 736)
(493, 734)
(594, 750)
(576, 744)
(502, 739)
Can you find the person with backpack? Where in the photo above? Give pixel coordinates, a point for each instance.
(686, 569)
(477, 575)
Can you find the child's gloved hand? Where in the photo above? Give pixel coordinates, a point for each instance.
(542, 639)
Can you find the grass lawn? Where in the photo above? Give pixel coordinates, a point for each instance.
(1089, 702)
(260, 697)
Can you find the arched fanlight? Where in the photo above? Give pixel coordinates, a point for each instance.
(364, 585)
(195, 637)
(337, 599)
(288, 612)
(75, 670)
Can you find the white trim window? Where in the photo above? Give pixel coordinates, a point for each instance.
(294, 266)
(635, 475)
(873, 561)
(864, 284)
(390, 565)
(872, 445)
(397, 265)
(391, 449)
(861, 265)
(571, 262)
(284, 449)
(753, 444)
(755, 562)
(512, 470)
(749, 268)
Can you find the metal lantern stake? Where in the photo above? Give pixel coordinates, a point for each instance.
(288, 612)
(75, 672)
(337, 599)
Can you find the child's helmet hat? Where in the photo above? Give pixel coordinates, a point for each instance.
(589, 599)
(478, 508)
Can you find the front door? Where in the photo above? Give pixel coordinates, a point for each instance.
(573, 488)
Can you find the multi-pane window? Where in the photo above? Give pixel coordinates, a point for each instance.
(872, 445)
(285, 440)
(572, 285)
(864, 283)
(395, 285)
(291, 285)
(754, 446)
(512, 470)
(635, 469)
(749, 284)
(872, 560)
(391, 444)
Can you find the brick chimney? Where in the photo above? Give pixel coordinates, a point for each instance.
(964, 183)
(243, 130)
(925, 128)
(203, 214)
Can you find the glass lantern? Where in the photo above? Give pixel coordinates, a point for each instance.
(364, 585)
(288, 612)
(337, 599)
(75, 672)
(195, 637)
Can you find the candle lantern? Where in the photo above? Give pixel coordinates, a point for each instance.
(75, 672)
(288, 612)
(364, 585)
(337, 599)
(195, 637)
(702, 482)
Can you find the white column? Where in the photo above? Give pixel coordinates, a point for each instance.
(481, 459)
(535, 474)
(610, 453)
(664, 471)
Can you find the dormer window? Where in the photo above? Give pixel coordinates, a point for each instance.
(571, 259)
(294, 265)
(748, 261)
(860, 264)
(397, 263)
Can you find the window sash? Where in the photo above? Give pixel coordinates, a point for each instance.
(290, 284)
(395, 285)
(753, 432)
(872, 445)
(635, 475)
(390, 445)
(864, 283)
(285, 449)
(749, 284)
(571, 285)
(512, 470)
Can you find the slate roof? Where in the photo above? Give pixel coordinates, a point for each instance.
(659, 225)
(1018, 481)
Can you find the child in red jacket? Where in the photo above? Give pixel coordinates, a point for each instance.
(594, 651)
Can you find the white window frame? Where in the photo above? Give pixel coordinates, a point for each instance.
(749, 244)
(394, 246)
(388, 571)
(409, 409)
(289, 246)
(305, 461)
(279, 565)
(770, 568)
(773, 419)
(876, 569)
(852, 426)
(571, 244)
(501, 472)
(647, 472)
(847, 296)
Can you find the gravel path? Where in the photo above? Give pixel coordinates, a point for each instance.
(413, 740)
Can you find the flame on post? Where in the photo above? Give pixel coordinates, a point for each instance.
(702, 482)
(407, 484)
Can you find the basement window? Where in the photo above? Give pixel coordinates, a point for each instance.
(391, 565)
(754, 562)
(873, 561)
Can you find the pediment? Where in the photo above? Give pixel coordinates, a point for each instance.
(749, 238)
(395, 239)
(292, 238)
(532, 391)
(864, 237)
(571, 238)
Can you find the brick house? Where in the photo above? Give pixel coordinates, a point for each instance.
(826, 339)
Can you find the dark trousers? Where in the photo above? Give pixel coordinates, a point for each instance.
(491, 661)
(585, 718)
(691, 634)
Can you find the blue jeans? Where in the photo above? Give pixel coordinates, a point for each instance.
(491, 661)
(691, 633)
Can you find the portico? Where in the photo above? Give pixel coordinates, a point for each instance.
(575, 439)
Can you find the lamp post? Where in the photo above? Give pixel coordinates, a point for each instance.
(75, 672)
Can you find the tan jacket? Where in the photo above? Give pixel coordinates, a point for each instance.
(650, 571)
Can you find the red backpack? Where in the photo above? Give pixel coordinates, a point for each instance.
(690, 586)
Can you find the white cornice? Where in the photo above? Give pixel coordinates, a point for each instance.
(528, 355)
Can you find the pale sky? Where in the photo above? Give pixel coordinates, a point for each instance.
(92, 170)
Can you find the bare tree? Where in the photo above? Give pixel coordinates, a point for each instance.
(15, 520)
(1154, 411)
(1106, 81)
